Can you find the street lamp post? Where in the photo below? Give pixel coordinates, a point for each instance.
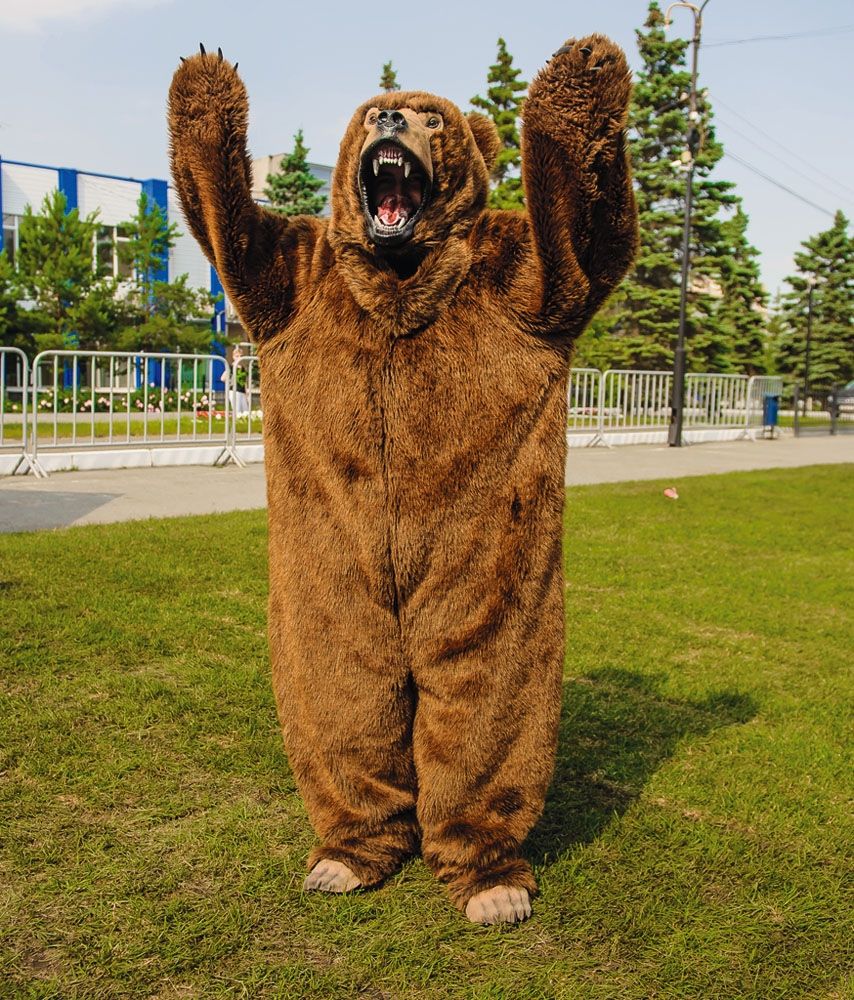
(677, 405)
(811, 286)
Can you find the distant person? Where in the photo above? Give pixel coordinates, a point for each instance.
(237, 384)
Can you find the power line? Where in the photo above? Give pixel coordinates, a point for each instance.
(786, 149)
(783, 187)
(765, 149)
(817, 33)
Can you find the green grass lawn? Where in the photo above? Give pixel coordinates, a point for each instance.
(695, 843)
(136, 427)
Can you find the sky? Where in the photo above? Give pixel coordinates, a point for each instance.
(84, 82)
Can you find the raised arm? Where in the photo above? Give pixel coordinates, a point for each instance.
(254, 251)
(578, 185)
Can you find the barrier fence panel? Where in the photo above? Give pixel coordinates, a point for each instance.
(14, 399)
(72, 400)
(246, 401)
(635, 400)
(713, 400)
(110, 399)
(584, 406)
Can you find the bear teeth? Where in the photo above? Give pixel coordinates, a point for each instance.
(385, 230)
(406, 168)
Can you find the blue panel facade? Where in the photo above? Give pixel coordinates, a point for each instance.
(68, 186)
(155, 191)
(218, 325)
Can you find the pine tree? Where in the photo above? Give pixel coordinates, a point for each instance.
(159, 314)
(503, 105)
(658, 124)
(388, 79)
(292, 191)
(828, 260)
(56, 274)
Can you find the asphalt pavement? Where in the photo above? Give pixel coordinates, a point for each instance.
(101, 497)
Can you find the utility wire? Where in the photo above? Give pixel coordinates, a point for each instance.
(778, 184)
(770, 152)
(791, 152)
(782, 38)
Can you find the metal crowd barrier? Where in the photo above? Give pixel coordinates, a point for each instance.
(632, 402)
(119, 399)
(90, 400)
(14, 400)
(246, 402)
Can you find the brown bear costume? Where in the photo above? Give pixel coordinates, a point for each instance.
(414, 351)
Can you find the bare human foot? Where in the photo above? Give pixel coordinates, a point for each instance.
(330, 876)
(499, 905)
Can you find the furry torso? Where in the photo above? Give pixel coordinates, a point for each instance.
(430, 461)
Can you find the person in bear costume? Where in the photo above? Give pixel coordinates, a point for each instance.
(414, 351)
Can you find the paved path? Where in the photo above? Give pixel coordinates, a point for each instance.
(98, 497)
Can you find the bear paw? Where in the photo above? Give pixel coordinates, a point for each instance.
(330, 876)
(499, 905)
(207, 95)
(592, 56)
(589, 80)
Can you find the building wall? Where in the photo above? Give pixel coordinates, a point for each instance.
(24, 185)
(186, 257)
(264, 165)
(115, 199)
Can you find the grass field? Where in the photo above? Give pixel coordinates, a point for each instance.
(696, 843)
(121, 429)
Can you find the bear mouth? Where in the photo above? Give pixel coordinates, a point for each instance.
(395, 189)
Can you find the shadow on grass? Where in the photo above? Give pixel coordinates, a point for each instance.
(616, 730)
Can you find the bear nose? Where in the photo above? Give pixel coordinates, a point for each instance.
(391, 121)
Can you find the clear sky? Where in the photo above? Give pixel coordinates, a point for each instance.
(83, 82)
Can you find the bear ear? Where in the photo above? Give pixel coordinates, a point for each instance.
(485, 136)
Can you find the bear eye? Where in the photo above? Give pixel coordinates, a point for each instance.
(372, 119)
(432, 122)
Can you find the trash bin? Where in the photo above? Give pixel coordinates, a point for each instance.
(770, 412)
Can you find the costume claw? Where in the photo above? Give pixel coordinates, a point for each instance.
(330, 876)
(182, 58)
(585, 50)
(499, 905)
(202, 49)
(219, 53)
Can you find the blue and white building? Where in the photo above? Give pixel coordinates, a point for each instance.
(115, 200)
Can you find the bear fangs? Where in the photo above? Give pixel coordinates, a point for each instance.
(407, 165)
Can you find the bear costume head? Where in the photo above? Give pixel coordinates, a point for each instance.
(412, 172)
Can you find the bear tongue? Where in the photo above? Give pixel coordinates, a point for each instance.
(391, 208)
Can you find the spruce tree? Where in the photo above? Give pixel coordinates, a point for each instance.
(293, 190)
(827, 259)
(658, 124)
(56, 274)
(741, 311)
(388, 79)
(503, 104)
